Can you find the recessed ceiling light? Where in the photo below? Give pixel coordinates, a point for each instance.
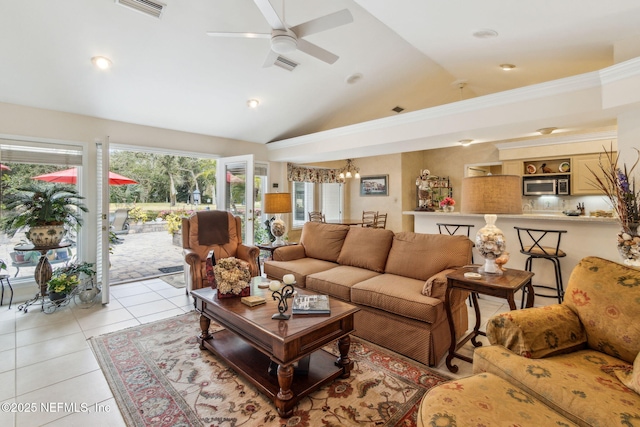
(253, 103)
(465, 142)
(507, 67)
(546, 131)
(485, 33)
(101, 62)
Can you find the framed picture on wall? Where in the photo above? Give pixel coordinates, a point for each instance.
(374, 185)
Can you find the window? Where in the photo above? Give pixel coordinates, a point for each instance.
(308, 197)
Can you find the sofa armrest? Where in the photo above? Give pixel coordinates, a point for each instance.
(538, 332)
(289, 253)
(249, 254)
(193, 260)
(436, 287)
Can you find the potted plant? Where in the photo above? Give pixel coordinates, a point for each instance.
(65, 279)
(62, 284)
(46, 212)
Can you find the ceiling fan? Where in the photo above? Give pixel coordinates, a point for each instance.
(285, 39)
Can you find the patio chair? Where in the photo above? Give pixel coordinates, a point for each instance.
(120, 224)
(216, 231)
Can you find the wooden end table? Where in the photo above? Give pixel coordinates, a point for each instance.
(502, 286)
(251, 342)
(270, 247)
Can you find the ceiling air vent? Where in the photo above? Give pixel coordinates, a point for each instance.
(151, 8)
(285, 63)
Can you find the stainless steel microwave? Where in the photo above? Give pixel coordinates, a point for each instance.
(541, 186)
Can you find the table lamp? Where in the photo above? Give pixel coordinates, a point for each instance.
(277, 203)
(491, 195)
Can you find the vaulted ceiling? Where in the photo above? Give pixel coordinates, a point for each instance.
(414, 54)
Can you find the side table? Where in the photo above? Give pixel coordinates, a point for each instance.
(502, 286)
(42, 272)
(271, 247)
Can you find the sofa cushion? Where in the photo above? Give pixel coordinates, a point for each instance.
(576, 385)
(300, 268)
(538, 332)
(484, 400)
(323, 241)
(604, 295)
(366, 248)
(420, 256)
(338, 281)
(398, 295)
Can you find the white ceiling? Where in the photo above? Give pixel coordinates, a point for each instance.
(168, 73)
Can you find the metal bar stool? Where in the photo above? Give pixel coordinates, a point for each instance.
(4, 277)
(531, 244)
(452, 229)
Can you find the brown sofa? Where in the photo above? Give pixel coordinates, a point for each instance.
(575, 363)
(397, 280)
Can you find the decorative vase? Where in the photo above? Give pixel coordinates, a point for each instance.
(244, 293)
(629, 247)
(448, 209)
(490, 243)
(48, 235)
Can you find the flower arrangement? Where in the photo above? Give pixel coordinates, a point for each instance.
(232, 275)
(63, 283)
(447, 201)
(620, 188)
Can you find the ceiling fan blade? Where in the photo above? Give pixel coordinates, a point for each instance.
(246, 35)
(270, 60)
(270, 15)
(323, 23)
(316, 51)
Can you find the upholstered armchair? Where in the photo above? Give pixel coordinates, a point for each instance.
(219, 231)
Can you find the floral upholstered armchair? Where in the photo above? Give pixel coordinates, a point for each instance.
(217, 231)
(580, 358)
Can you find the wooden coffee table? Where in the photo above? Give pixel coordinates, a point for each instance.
(252, 341)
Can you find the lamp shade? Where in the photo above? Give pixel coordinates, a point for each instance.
(276, 203)
(492, 194)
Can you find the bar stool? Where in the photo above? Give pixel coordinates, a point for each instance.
(531, 244)
(452, 229)
(4, 277)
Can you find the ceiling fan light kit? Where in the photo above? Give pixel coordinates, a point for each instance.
(284, 43)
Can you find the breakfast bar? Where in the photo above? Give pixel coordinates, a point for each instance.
(586, 236)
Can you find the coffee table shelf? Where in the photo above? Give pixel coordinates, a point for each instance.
(254, 365)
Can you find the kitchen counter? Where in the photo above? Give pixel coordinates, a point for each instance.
(585, 236)
(556, 216)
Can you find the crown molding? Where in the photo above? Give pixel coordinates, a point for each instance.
(621, 71)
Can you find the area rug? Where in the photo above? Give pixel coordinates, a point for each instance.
(175, 280)
(172, 269)
(160, 377)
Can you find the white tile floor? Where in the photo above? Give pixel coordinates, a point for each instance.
(46, 359)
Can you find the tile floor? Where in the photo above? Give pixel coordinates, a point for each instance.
(46, 359)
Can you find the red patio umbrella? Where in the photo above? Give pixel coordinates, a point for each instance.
(4, 167)
(70, 176)
(232, 178)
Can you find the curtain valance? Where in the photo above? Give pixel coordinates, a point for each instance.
(311, 174)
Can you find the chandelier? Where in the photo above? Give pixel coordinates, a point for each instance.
(350, 170)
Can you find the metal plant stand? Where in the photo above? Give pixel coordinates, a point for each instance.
(42, 273)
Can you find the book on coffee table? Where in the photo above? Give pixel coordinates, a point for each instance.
(311, 304)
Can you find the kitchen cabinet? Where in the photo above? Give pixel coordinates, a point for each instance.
(512, 167)
(582, 178)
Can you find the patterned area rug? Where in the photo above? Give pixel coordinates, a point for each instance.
(160, 377)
